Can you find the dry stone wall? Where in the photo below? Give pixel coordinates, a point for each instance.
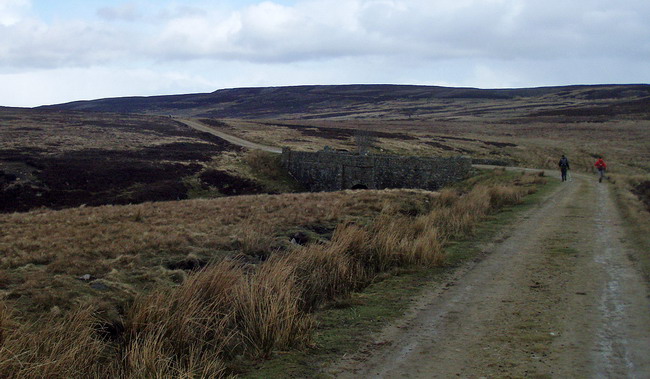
(330, 170)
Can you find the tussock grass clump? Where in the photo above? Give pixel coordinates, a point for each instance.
(323, 273)
(180, 330)
(254, 239)
(447, 197)
(502, 196)
(266, 309)
(328, 271)
(64, 348)
(150, 358)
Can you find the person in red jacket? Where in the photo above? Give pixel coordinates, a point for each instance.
(601, 166)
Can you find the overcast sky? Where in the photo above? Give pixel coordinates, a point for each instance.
(65, 50)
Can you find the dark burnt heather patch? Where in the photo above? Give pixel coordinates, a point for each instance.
(631, 109)
(458, 138)
(229, 184)
(7, 178)
(93, 178)
(67, 159)
(499, 144)
(339, 133)
(178, 151)
(99, 177)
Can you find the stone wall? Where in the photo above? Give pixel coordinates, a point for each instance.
(329, 170)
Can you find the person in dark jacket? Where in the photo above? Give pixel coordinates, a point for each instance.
(601, 166)
(564, 167)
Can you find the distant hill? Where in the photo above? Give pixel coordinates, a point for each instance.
(385, 102)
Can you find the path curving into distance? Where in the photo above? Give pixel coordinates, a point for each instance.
(555, 296)
(197, 125)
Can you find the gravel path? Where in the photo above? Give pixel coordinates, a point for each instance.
(557, 296)
(230, 138)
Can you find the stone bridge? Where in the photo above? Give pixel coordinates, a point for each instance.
(330, 170)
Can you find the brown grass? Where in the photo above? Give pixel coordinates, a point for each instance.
(637, 217)
(264, 163)
(266, 310)
(530, 141)
(233, 310)
(182, 332)
(65, 348)
(130, 248)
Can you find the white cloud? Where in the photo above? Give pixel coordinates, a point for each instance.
(13, 11)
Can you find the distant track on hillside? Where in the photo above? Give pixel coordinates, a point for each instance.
(230, 138)
(197, 125)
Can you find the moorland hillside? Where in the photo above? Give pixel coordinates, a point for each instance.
(129, 150)
(386, 102)
(66, 159)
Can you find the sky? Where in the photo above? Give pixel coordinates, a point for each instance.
(65, 50)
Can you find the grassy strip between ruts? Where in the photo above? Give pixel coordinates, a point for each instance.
(347, 325)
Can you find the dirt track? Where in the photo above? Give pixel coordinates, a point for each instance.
(230, 138)
(557, 296)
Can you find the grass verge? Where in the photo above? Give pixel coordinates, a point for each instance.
(636, 218)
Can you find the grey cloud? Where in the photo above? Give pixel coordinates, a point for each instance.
(327, 29)
(507, 29)
(510, 29)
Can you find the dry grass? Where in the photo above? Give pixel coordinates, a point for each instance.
(134, 248)
(234, 309)
(527, 142)
(65, 348)
(636, 214)
(181, 332)
(266, 310)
